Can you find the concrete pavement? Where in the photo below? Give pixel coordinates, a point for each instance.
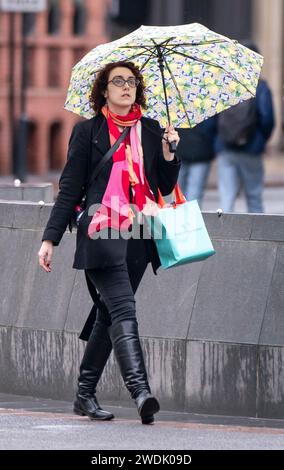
(43, 424)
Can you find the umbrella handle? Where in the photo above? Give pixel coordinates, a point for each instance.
(172, 146)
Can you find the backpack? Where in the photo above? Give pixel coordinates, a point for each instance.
(237, 124)
(197, 143)
(194, 146)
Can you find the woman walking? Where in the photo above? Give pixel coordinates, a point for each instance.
(114, 263)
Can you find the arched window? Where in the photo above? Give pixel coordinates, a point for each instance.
(79, 18)
(54, 17)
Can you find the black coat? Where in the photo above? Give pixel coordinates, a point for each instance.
(88, 143)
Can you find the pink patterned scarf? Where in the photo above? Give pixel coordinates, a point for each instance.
(127, 175)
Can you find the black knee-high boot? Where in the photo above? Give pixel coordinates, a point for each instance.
(96, 354)
(129, 355)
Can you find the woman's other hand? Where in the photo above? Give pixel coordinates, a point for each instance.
(45, 255)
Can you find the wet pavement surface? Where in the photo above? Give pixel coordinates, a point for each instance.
(43, 424)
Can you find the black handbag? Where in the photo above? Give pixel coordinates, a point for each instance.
(81, 206)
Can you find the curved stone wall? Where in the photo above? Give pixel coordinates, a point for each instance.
(212, 332)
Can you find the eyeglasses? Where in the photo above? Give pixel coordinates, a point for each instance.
(120, 82)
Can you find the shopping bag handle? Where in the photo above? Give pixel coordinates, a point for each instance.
(177, 197)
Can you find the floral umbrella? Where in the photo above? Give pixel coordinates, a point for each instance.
(191, 72)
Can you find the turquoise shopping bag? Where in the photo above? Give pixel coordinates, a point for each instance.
(180, 233)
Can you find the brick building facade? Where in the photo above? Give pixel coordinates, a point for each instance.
(60, 36)
(57, 38)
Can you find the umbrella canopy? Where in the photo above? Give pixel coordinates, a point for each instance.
(191, 72)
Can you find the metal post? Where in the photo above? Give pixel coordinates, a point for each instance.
(11, 95)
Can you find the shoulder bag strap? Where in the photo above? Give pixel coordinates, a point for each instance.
(107, 156)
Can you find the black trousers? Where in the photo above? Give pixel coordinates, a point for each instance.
(117, 284)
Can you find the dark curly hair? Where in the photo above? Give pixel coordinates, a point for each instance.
(98, 100)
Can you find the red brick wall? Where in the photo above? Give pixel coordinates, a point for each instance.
(50, 61)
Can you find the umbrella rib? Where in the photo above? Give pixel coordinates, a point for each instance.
(177, 89)
(214, 41)
(150, 56)
(151, 50)
(147, 47)
(175, 51)
(213, 65)
(145, 63)
(161, 43)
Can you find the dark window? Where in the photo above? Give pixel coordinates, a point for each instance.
(235, 20)
(1, 142)
(79, 18)
(78, 54)
(2, 76)
(28, 25)
(54, 17)
(226, 17)
(55, 139)
(31, 64)
(53, 67)
(128, 12)
(198, 11)
(32, 147)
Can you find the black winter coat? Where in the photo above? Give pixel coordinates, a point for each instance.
(88, 143)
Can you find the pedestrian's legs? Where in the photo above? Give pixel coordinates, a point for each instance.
(115, 289)
(99, 344)
(93, 362)
(183, 178)
(196, 181)
(92, 365)
(228, 179)
(252, 174)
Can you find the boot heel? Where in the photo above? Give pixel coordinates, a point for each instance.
(149, 407)
(79, 412)
(148, 419)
